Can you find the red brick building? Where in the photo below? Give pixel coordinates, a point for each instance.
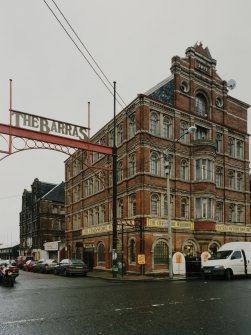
(209, 177)
(42, 220)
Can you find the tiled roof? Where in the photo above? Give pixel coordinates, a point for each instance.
(163, 91)
(55, 194)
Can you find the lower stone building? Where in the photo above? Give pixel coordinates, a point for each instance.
(42, 221)
(209, 174)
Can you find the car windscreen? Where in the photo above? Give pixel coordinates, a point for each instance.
(77, 261)
(221, 254)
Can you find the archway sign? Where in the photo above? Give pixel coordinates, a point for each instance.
(28, 131)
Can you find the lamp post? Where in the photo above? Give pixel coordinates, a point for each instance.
(167, 163)
(114, 197)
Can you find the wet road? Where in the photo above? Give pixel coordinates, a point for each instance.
(52, 305)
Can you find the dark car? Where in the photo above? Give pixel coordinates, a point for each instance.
(72, 266)
(38, 266)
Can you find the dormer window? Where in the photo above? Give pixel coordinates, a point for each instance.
(201, 105)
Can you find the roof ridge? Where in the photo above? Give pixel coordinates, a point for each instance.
(157, 86)
(46, 194)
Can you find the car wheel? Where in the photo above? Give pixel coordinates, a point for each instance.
(55, 272)
(65, 273)
(228, 274)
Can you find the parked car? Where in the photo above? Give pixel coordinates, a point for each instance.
(69, 267)
(14, 269)
(38, 266)
(48, 265)
(28, 266)
(21, 260)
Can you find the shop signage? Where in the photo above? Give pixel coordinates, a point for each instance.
(97, 229)
(49, 126)
(51, 246)
(141, 259)
(160, 223)
(232, 229)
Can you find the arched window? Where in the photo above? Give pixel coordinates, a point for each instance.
(90, 217)
(184, 208)
(161, 253)
(219, 212)
(154, 163)
(167, 127)
(231, 179)
(120, 134)
(190, 248)
(154, 123)
(120, 171)
(213, 247)
(132, 205)
(132, 125)
(97, 184)
(102, 180)
(184, 169)
(91, 186)
(240, 214)
(120, 209)
(155, 205)
(201, 105)
(231, 213)
(219, 142)
(239, 149)
(132, 251)
(86, 222)
(132, 165)
(231, 146)
(219, 177)
(97, 216)
(101, 252)
(183, 132)
(102, 214)
(239, 181)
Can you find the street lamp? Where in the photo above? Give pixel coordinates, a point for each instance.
(191, 129)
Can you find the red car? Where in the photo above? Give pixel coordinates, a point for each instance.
(11, 265)
(28, 266)
(21, 260)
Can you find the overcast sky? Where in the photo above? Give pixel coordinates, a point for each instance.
(133, 42)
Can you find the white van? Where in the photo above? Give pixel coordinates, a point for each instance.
(232, 259)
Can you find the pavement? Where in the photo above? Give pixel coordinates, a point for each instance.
(108, 275)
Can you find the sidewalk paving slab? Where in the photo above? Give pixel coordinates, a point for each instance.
(108, 275)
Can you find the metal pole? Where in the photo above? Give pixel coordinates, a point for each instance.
(114, 199)
(169, 224)
(122, 269)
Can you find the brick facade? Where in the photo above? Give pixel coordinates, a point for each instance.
(209, 178)
(42, 218)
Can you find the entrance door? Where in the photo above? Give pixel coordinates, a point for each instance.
(89, 257)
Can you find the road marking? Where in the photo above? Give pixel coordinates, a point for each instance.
(123, 309)
(21, 321)
(157, 305)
